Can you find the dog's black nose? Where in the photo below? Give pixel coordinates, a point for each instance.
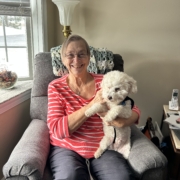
(109, 97)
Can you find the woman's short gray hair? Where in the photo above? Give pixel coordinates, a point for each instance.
(71, 39)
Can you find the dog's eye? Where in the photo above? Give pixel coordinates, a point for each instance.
(117, 89)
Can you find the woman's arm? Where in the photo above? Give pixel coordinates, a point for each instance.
(77, 118)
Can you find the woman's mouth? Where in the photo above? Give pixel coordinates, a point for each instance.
(77, 66)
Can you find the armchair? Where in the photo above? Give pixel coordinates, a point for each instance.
(29, 159)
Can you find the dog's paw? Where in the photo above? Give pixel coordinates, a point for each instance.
(88, 113)
(108, 118)
(98, 153)
(126, 154)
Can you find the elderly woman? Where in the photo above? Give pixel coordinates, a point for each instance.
(74, 137)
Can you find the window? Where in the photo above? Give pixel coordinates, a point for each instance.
(10, 10)
(15, 36)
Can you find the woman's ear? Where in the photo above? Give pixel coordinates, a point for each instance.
(61, 55)
(61, 52)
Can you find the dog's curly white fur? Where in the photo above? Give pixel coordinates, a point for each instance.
(116, 86)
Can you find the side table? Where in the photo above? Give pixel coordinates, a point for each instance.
(175, 140)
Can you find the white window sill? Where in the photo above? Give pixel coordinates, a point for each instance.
(10, 98)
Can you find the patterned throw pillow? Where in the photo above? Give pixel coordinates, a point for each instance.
(101, 61)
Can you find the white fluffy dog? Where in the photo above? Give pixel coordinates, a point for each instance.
(116, 86)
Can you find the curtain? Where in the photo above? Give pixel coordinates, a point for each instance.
(15, 7)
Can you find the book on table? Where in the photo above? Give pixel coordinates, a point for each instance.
(172, 121)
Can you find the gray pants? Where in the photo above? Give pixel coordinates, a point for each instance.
(68, 165)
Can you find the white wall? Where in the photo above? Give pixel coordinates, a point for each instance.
(147, 35)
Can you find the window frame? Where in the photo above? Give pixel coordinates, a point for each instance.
(39, 23)
(38, 34)
(28, 47)
(25, 94)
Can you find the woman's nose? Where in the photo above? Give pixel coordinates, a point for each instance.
(76, 58)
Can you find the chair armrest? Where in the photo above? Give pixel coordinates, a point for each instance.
(144, 155)
(28, 159)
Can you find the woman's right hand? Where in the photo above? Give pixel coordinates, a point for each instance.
(98, 98)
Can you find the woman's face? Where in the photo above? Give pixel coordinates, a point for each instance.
(75, 58)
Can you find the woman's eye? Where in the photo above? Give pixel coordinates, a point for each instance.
(81, 55)
(70, 56)
(117, 89)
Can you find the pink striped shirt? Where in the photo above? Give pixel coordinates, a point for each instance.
(62, 101)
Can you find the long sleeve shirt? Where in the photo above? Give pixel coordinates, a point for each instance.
(62, 101)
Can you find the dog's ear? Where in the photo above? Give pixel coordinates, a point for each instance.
(133, 85)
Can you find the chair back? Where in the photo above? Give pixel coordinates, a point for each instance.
(43, 75)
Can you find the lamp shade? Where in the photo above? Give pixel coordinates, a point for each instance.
(66, 9)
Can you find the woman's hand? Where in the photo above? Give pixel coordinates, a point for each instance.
(98, 98)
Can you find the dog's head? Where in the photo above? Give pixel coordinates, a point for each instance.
(116, 86)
